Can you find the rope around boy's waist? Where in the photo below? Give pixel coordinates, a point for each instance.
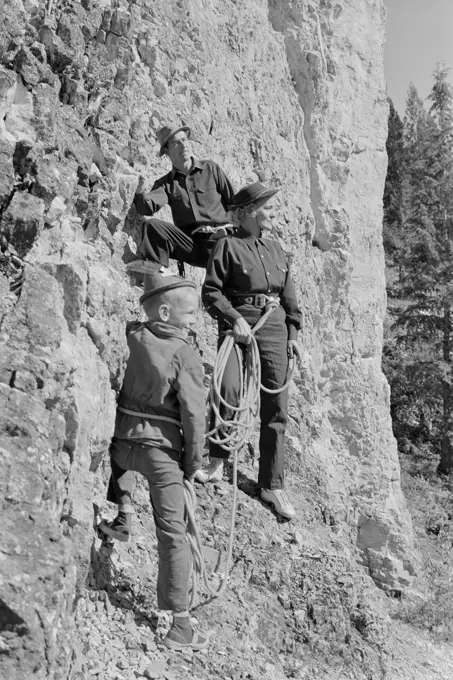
(150, 416)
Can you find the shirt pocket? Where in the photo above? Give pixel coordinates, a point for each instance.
(207, 196)
(243, 277)
(282, 271)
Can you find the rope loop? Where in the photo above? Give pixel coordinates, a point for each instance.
(231, 431)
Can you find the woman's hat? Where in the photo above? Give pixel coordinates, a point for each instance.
(252, 193)
(158, 282)
(167, 132)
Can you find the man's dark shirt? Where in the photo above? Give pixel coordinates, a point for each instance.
(243, 264)
(199, 198)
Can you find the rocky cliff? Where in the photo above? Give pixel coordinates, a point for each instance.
(293, 89)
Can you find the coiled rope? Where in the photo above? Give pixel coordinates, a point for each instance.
(231, 431)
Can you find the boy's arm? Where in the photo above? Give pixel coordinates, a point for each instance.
(191, 396)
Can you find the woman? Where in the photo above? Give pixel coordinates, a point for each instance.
(243, 271)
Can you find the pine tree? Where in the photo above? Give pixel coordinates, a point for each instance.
(420, 204)
(407, 363)
(441, 111)
(413, 114)
(413, 353)
(393, 192)
(418, 352)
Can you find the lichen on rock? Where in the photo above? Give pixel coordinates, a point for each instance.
(293, 92)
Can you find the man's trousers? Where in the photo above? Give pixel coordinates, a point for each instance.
(162, 241)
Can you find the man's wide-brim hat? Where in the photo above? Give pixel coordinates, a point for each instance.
(252, 193)
(167, 132)
(156, 282)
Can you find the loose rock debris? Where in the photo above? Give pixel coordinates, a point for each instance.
(283, 615)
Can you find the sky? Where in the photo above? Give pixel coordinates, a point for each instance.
(419, 33)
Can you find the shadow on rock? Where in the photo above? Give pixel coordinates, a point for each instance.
(122, 592)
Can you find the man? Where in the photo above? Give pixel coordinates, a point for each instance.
(198, 193)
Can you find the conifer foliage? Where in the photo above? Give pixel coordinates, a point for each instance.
(393, 196)
(418, 239)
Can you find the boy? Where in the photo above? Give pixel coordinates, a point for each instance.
(159, 431)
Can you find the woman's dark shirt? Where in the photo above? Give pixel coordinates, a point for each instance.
(244, 264)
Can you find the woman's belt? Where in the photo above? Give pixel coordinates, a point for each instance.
(259, 300)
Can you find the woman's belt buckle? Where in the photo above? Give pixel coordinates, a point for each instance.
(260, 300)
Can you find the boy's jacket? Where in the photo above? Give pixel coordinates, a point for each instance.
(164, 377)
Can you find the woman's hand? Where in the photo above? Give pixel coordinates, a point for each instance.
(294, 349)
(242, 331)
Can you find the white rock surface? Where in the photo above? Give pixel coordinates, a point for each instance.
(289, 89)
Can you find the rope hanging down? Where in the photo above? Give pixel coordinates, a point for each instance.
(230, 432)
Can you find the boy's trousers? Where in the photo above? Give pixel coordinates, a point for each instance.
(166, 489)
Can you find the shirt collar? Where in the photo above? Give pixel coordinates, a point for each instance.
(250, 239)
(165, 330)
(196, 165)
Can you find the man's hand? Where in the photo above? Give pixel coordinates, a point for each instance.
(294, 349)
(220, 232)
(242, 331)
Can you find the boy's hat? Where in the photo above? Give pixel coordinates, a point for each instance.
(159, 282)
(251, 193)
(167, 132)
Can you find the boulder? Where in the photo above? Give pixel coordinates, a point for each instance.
(22, 222)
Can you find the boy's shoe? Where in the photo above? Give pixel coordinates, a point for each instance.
(279, 499)
(181, 636)
(120, 528)
(213, 472)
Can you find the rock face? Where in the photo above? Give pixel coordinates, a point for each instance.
(290, 89)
